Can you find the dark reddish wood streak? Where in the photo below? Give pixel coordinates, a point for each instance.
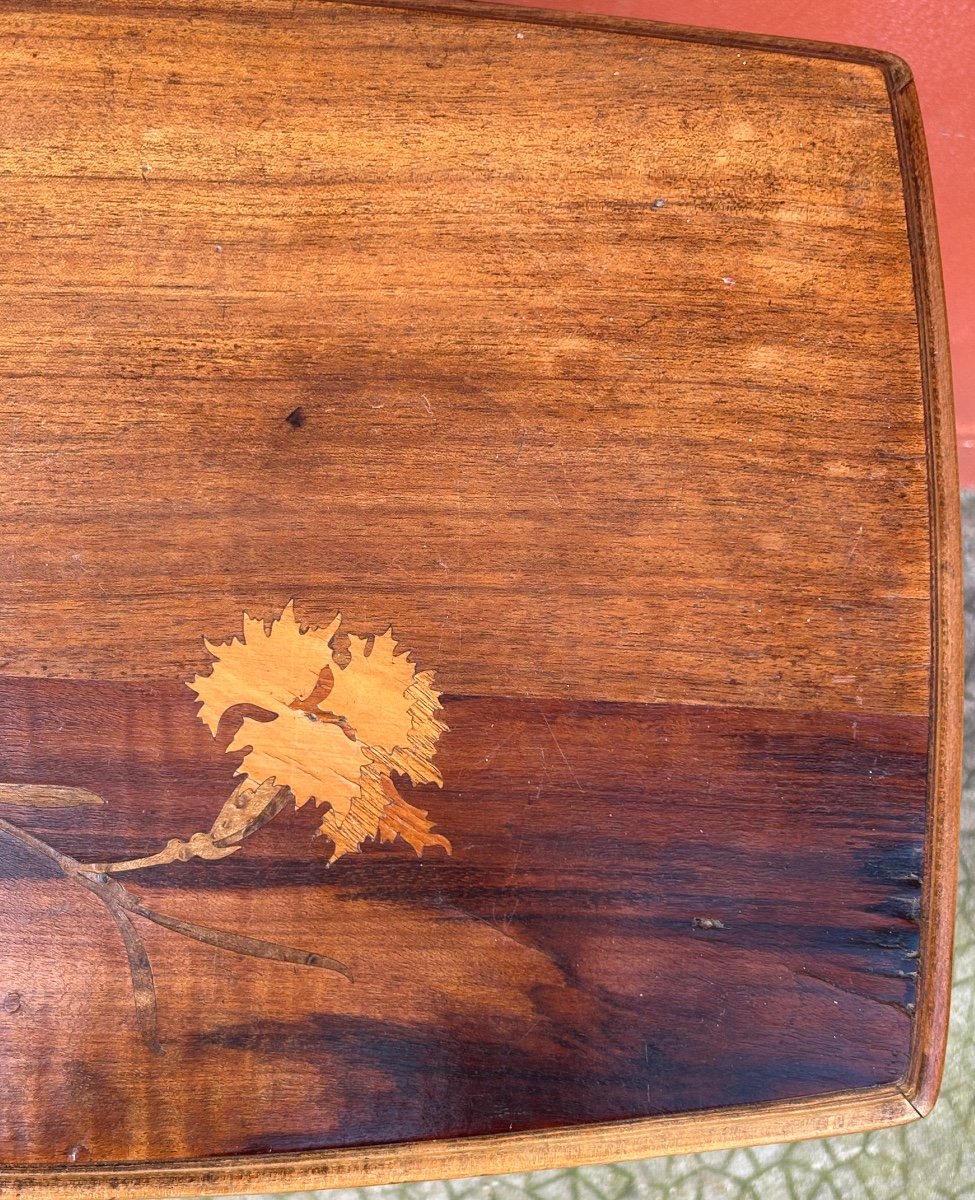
(595, 837)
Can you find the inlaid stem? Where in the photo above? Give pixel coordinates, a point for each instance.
(120, 903)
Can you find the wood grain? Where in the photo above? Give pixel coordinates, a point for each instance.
(407, 280)
(930, 1038)
(606, 362)
(45, 796)
(550, 972)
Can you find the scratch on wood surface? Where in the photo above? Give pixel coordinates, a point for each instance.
(855, 545)
(558, 746)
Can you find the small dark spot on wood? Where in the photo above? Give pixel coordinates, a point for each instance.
(707, 923)
(296, 418)
(11, 1002)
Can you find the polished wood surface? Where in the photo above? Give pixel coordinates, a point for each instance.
(605, 363)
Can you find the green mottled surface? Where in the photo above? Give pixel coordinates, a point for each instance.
(932, 1159)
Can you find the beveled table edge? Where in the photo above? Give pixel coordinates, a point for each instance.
(922, 1079)
(716, 1129)
(834, 1113)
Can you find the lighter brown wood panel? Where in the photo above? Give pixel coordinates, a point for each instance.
(554, 310)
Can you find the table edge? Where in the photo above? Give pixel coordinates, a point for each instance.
(895, 1103)
(922, 1078)
(716, 1129)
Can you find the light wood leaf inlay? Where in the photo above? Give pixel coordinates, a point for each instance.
(47, 795)
(335, 734)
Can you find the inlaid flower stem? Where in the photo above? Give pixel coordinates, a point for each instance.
(120, 904)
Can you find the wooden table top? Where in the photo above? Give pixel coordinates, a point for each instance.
(480, 642)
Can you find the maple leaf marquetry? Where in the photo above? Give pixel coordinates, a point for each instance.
(336, 734)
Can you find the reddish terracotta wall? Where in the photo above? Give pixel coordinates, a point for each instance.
(937, 38)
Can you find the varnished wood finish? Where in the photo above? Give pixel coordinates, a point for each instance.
(604, 361)
(755, 1125)
(923, 1077)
